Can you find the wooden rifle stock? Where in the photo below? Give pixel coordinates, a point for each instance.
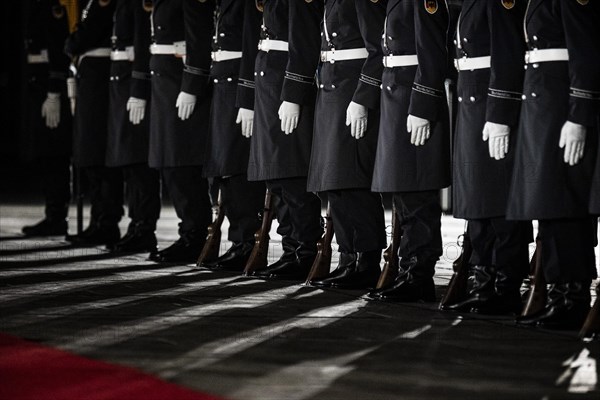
(591, 326)
(458, 287)
(322, 263)
(536, 301)
(210, 251)
(391, 264)
(258, 257)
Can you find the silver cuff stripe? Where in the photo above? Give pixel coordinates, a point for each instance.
(370, 80)
(246, 83)
(140, 75)
(195, 71)
(584, 94)
(299, 78)
(504, 94)
(427, 90)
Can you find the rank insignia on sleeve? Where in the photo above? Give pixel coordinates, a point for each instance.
(583, 2)
(147, 5)
(104, 3)
(58, 11)
(508, 4)
(431, 6)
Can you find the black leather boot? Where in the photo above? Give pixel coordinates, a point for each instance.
(567, 307)
(507, 295)
(234, 259)
(46, 227)
(136, 240)
(185, 250)
(98, 235)
(413, 283)
(484, 279)
(354, 271)
(294, 269)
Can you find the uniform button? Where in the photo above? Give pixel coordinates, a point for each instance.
(255, 74)
(334, 34)
(222, 34)
(151, 72)
(465, 40)
(116, 78)
(535, 37)
(390, 38)
(389, 88)
(112, 78)
(523, 97)
(214, 37)
(333, 86)
(380, 86)
(472, 98)
(460, 99)
(455, 42)
(536, 65)
(321, 33)
(215, 80)
(229, 79)
(262, 73)
(159, 27)
(533, 94)
(525, 67)
(321, 86)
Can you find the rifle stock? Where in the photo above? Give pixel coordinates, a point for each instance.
(210, 250)
(258, 257)
(591, 326)
(536, 301)
(459, 282)
(322, 263)
(390, 255)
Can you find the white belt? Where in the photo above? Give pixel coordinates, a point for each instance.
(472, 63)
(400, 61)
(177, 49)
(267, 45)
(99, 52)
(41, 58)
(122, 55)
(224, 55)
(344, 55)
(546, 55)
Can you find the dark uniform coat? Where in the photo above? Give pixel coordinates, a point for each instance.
(128, 143)
(173, 142)
(338, 160)
(227, 149)
(47, 29)
(595, 196)
(487, 28)
(418, 90)
(93, 32)
(285, 76)
(544, 186)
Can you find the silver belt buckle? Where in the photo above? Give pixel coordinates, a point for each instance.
(527, 57)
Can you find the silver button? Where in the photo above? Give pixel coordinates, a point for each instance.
(390, 38)
(523, 97)
(472, 98)
(533, 94)
(536, 65)
(255, 74)
(459, 99)
(262, 73)
(465, 40)
(215, 80)
(455, 41)
(525, 67)
(380, 86)
(535, 37)
(334, 34)
(229, 79)
(151, 72)
(222, 34)
(321, 86)
(389, 88)
(333, 86)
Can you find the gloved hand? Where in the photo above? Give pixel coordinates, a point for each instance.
(419, 129)
(185, 103)
(137, 110)
(246, 118)
(572, 139)
(356, 118)
(51, 110)
(498, 136)
(289, 114)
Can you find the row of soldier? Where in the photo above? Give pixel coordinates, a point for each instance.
(347, 99)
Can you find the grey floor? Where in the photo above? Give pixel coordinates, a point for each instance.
(248, 339)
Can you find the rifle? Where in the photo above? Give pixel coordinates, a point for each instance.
(536, 301)
(322, 263)
(391, 266)
(591, 326)
(459, 282)
(258, 257)
(210, 251)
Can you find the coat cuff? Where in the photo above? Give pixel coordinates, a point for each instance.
(140, 85)
(503, 107)
(425, 102)
(299, 89)
(57, 82)
(368, 92)
(583, 106)
(195, 80)
(245, 94)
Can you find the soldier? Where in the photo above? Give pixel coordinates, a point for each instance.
(180, 104)
(489, 88)
(47, 133)
(283, 125)
(556, 152)
(128, 126)
(228, 144)
(345, 139)
(89, 46)
(413, 155)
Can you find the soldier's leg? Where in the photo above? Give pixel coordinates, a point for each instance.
(419, 214)
(189, 193)
(143, 198)
(359, 225)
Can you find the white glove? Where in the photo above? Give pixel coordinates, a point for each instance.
(289, 114)
(137, 110)
(356, 118)
(246, 118)
(419, 129)
(572, 139)
(51, 110)
(498, 136)
(185, 103)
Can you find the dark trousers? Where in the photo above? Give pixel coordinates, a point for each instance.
(189, 193)
(105, 188)
(568, 249)
(419, 214)
(501, 243)
(298, 211)
(56, 184)
(143, 196)
(358, 220)
(242, 203)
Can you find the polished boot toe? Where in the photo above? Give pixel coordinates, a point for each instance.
(46, 227)
(292, 270)
(499, 305)
(98, 236)
(234, 259)
(407, 289)
(136, 243)
(182, 251)
(354, 271)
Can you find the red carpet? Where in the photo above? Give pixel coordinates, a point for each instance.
(32, 371)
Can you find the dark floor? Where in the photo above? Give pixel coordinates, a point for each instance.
(249, 339)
